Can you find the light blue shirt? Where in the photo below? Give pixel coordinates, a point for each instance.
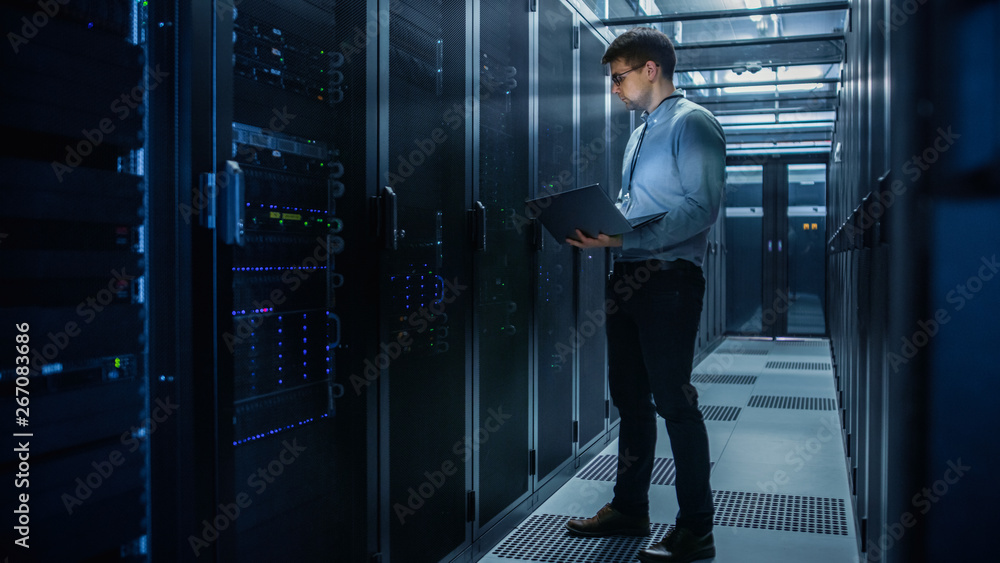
(681, 169)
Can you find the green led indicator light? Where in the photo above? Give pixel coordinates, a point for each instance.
(281, 221)
(118, 362)
(305, 224)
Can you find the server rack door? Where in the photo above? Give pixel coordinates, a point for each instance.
(72, 238)
(745, 217)
(290, 131)
(503, 266)
(555, 301)
(426, 280)
(619, 130)
(590, 339)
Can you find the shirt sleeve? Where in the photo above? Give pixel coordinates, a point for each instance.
(701, 161)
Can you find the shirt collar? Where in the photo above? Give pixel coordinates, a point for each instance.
(654, 117)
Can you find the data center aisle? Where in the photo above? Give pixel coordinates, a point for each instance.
(779, 476)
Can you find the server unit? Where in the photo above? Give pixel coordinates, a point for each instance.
(75, 78)
(297, 95)
(267, 146)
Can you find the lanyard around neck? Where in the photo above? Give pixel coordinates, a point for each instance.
(635, 157)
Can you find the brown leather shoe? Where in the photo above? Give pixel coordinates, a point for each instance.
(609, 522)
(679, 546)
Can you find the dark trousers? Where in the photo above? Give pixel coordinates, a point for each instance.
(650, 351)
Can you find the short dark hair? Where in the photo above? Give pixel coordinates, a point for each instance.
(641, 44)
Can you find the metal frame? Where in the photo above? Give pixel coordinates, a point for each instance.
(721, 14)
(710, 86)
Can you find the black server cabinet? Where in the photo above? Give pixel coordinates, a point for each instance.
(290, 85)
(503, 276)
(592, 164)
(619, 130)
(425, 280)
(555, 299)
(72, 264)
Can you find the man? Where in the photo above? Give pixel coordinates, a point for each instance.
(674, 163)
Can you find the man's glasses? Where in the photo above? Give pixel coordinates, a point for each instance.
(617, 78)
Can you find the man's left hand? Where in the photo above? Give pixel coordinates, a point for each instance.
(583, 241)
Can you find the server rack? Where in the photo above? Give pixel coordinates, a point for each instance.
(73, 249)
(297, 94)
(895, 257)
(503, 264)
(592, 159)
(425, 169)
(555, 308)
(331, 169)
(270, 174)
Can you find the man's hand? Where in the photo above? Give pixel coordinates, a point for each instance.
(583, 241)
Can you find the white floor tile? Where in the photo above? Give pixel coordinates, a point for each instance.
(776, 451)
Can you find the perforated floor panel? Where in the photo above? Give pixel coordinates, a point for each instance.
(543, 537)
(724, 379)
(744, 351)
(788, 513)
(720, 413)
(604, 468)
(798, 403)
(798, 365)
(800, 343)
(810, 517)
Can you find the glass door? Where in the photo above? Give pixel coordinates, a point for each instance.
(775, 249)
(744, 253)
(806, 255)
(504, 280)
(425, 280)
(289, 102)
